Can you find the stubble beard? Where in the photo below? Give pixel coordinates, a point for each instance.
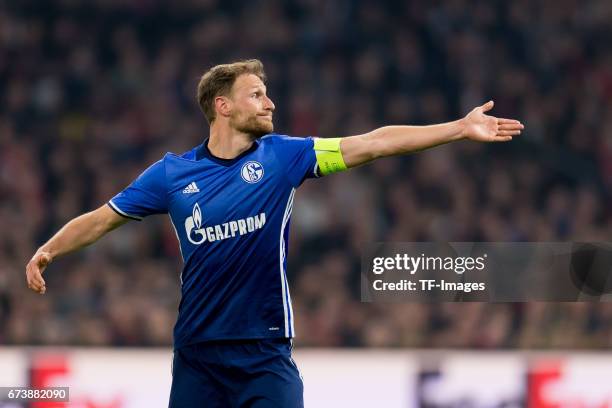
(252, 125)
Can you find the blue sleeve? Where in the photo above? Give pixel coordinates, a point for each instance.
(146, 195)
(298, 158)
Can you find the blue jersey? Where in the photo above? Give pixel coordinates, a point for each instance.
(231, 218)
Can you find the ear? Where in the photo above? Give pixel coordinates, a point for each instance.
(223, 106)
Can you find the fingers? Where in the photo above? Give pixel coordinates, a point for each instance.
(487, 106)
(502, 138)
(36, 282)
(34, 271)
(509, 127)
(37, 286)
(509, 132)
(504, 121)
(514, 126)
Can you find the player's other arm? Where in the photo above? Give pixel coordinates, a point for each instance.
(397, 140)
(77, 233)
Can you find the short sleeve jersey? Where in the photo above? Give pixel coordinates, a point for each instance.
(231, 218)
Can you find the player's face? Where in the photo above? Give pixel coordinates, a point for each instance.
(251, 107)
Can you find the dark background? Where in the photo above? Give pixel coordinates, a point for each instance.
(92, 92)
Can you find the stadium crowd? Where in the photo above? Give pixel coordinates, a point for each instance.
(93, 92)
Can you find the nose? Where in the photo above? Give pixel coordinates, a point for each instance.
(268, 104)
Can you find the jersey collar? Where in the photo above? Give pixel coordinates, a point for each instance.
(202, 152)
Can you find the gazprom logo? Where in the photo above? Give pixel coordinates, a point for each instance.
(197, 234)
(193, 226)
(252, 172)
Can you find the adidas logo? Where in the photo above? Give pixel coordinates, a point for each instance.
(191, 188)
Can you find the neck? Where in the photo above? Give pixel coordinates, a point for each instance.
(228, 143)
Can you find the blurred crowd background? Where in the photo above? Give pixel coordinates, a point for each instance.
(92, 92)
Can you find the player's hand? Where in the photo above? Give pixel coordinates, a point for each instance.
(35, 269)
(484, 128)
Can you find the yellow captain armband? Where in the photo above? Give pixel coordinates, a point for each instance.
(329, 156)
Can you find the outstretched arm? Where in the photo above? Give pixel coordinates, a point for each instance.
(78, 233)
(397, 140)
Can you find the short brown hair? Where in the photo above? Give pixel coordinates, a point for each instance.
(219, 81)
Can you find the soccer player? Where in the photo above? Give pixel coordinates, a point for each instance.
(230, 201)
